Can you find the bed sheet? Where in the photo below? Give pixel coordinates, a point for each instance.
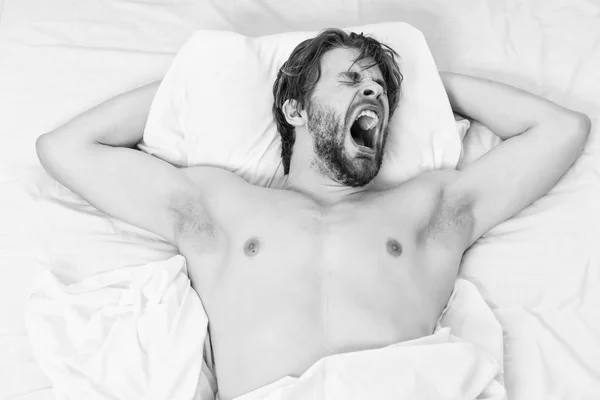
(540, 271)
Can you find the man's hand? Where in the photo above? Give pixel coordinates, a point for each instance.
(541, 141)
(92, 155)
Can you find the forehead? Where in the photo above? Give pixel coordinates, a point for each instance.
(340, 60)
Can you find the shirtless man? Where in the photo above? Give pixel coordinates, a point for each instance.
(327, 265)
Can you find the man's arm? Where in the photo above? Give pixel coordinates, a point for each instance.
(541, 141)
(93, 156)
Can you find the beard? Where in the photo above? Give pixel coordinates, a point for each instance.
(331, 158)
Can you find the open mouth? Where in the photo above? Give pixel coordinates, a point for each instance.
(364, 129)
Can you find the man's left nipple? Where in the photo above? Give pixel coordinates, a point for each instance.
(251, 247)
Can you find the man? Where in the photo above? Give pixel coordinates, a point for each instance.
(327, 265)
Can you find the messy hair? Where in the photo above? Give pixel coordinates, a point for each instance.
(299, 75)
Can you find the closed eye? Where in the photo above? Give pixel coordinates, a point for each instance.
(382, 84)
(350, 77)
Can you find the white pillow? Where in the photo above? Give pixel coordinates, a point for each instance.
(214, 106)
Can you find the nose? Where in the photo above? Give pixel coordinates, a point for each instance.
(371, 89)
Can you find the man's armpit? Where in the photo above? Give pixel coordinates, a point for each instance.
(452, 218)
(191, 216)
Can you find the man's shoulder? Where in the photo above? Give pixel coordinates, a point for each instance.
(438, 178)
(444, 215)
(222, 195)
(428, 185)
(208, 175)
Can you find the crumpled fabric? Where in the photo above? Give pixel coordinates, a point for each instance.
(139, 332)
(131, 333)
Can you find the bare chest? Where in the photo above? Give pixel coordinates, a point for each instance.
(285, 283)
(365, 254)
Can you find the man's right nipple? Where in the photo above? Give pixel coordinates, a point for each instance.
(394, 247)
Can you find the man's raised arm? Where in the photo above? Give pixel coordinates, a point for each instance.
(93, 156)
(541, 141)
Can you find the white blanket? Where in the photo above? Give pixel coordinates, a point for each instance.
(138, 332)
(131, 333)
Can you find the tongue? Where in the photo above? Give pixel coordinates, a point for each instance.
(365, 122)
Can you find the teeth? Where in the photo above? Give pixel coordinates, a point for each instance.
(369, 122)
(368, 113)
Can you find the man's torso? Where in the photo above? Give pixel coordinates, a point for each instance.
(286, 281)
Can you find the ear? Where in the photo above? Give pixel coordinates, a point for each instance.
(293, 114)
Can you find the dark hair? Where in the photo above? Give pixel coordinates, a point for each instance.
(299, 75)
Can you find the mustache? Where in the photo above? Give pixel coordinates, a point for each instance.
(373, 103)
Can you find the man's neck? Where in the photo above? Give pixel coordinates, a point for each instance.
(305, 177)
(319, 187)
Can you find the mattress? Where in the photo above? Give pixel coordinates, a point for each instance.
(539, 271)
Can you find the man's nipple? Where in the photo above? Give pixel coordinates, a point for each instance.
(251, 247)
(394, 247)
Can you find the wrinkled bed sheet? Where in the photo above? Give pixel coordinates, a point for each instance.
(539, 272)
(138, 332)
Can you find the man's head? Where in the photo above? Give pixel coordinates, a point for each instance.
(342, 88)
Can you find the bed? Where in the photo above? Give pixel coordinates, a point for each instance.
(539, 272)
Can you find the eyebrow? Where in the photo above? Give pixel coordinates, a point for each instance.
(353, 75)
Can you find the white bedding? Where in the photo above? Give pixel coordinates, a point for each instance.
(539, 272)
(138, 332)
